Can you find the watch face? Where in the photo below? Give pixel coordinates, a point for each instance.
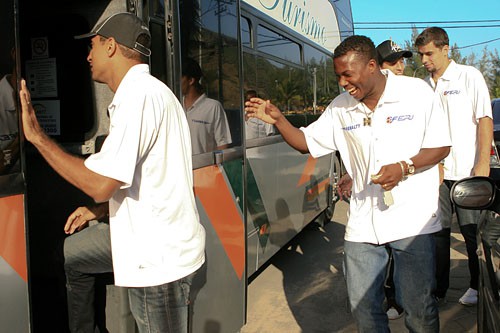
(411, 169)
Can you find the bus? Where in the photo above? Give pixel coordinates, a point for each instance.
(253, 197)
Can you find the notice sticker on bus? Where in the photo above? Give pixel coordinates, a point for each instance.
(48, 114)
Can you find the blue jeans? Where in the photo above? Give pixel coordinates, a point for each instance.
(161, 308)
(414, 272)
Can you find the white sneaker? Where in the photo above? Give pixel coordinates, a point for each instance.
(392, 314)
(469, 298)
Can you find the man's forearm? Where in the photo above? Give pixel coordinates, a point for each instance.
(428, 157)
(485, 139)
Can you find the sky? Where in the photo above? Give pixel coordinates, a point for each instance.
(431, 11)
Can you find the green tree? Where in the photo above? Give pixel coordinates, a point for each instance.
(495, 68)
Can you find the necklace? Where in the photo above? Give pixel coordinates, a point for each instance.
(367, 120)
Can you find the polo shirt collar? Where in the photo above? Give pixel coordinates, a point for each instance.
(451, 72)
(198, 101)
(127, 83)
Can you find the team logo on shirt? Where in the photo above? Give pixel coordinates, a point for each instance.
(351, 127)
(204, 122)
(451, 92)
(392, 119)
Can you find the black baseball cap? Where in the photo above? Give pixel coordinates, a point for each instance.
(390, 51)
(125, 28)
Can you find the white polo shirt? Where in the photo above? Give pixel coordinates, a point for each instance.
(465, 99)
(407, 118)
(256, 128)
(208, 124)
(156, 236)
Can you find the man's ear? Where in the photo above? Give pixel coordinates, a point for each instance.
(111, 46)
(373, 65)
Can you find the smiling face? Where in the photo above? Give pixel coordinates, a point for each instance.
(355, 74)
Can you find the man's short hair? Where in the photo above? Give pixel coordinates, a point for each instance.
(433, 34)
(362, 45)
(191, 69)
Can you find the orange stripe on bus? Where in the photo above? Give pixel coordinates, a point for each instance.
(308, 171)
(218, 202)
(12, 237)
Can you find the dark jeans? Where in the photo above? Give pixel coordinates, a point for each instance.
(467, 221)
(156, 309)
(87, 254)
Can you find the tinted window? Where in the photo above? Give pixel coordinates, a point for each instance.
(246, 35)
(277, 45)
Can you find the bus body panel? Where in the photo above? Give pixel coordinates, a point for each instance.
(218, 291)
(14, 309)
(286, 191)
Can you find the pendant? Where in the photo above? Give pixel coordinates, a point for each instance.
(367, 121)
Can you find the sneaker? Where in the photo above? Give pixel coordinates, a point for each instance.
(469, 298)
(392, 313)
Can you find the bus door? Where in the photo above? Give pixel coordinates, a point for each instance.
(207, 32)
(66, 102)
(14, 308)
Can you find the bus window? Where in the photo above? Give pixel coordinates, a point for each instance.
(209, 36)
(9, 126)
(246, 33)
(321, 80)
(273, 43)
(10, 161)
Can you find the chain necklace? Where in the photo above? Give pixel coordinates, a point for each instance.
(367, 120)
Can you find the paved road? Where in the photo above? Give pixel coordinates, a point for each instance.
(303, 289)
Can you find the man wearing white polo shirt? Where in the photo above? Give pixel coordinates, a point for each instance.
(142, 177)
(206, 117)
(467, 104)
(393, 133)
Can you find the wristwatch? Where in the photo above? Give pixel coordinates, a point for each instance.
(410, 168)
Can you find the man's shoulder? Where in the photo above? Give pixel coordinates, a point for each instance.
(403, 85)
(343, 100)
(466, 70)
(208, 102)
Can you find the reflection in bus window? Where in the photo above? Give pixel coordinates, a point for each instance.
(277, 45)
(206, 117)
(323, 82)
(256, 128)
(246, 35)
(209, 31)
(9, 130)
